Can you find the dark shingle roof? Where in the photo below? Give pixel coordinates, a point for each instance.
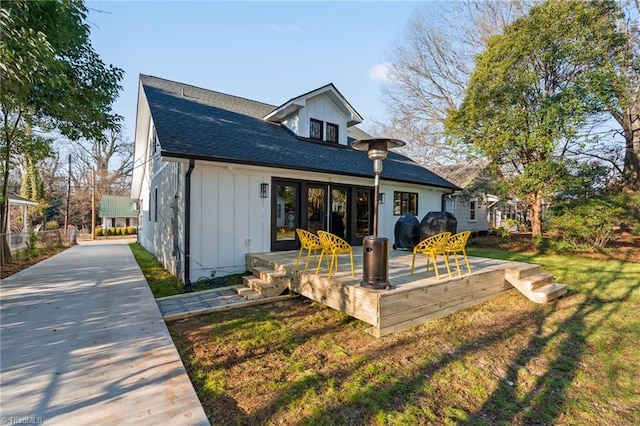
(462, 174)
(196, 123)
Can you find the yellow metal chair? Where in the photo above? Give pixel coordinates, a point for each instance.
(431, 247)
(334, 246)
(310, 242)
(456, 244)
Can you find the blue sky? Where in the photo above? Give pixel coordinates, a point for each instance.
(264, 51)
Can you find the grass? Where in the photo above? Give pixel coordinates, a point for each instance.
(508, 361)
(164, 284)
(161, 282)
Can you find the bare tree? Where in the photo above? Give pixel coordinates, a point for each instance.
(430, 69)
(111, 160)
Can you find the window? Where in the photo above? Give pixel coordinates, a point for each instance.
(405, 202)
(332, 132)
(472, 211)
(156, 206)
(315, 129)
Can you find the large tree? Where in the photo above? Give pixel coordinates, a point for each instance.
(626, 111)
(430, 67)
(51, 78)
(534, 87)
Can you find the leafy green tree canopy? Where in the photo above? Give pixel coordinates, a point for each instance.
(50, 78)
(532, 89)
(50, 72)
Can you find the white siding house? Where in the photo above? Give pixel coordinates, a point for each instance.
(219, 176)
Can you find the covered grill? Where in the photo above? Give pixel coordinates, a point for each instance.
(436, 222)
(406, 232)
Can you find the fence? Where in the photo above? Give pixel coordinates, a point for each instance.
(18, 241)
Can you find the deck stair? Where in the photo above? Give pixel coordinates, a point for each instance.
(538, 286)
(264, 282)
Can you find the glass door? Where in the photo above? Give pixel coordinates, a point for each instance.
(285, 214)
(363, 214)
(339, 212)
(316, 208)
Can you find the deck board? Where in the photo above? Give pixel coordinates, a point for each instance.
(414, 299)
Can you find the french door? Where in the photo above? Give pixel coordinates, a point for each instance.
(342, 210)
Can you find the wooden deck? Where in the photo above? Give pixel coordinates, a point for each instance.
(415, 299)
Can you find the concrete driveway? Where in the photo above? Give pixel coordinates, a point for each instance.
(83, 343)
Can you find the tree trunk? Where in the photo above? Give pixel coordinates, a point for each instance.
(631, 129)
(535, 211)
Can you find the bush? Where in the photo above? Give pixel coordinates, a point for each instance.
(111, 231)
(52, 224)
(503, 233)
(98, 232)
(589, 224)
(131, 230)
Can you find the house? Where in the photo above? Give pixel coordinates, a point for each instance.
(117, 212)
(218, 176)
(475, 210)
(17, 223)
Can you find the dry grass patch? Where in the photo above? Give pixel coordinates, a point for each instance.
(508, 361)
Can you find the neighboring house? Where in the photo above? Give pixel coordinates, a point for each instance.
(117, 212)
(218, 176)
(478, 213)
(17, 224)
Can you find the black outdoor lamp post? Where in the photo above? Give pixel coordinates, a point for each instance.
(375, 250)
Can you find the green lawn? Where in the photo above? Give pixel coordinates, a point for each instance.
(574, 361)
(161, 282)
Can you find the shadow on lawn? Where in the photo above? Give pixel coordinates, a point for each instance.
(554, 347)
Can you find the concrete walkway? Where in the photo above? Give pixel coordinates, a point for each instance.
(83, 343)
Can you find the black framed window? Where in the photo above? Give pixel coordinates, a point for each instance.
(472, 211)
(315, 129)
(332, 132)
(405, 202)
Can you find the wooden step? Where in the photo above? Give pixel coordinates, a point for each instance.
(266, 282)
(247, 293)
(538, 286)
(549, 292)
(256, 284)
(537, 280)
(521, 272)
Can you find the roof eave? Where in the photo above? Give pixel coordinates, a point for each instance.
(181, 157)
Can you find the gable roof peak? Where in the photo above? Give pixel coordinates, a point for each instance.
(299, 102)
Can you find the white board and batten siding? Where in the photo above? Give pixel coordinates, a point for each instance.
(320, 108)
(228, 220)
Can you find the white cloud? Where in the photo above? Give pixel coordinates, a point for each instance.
(286, 28)
(380, 71)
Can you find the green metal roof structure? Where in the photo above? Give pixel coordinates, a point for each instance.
(116, 206)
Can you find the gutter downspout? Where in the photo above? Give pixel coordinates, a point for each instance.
(443, 202)
(187, 227)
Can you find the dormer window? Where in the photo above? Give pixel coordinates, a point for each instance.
(315, 129)
(332, 132)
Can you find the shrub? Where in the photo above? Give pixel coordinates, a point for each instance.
(98, 232)
(131, 230)
(52, 224)
(503, 233)
(124, 230)
(589, 224)
(110, 231)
